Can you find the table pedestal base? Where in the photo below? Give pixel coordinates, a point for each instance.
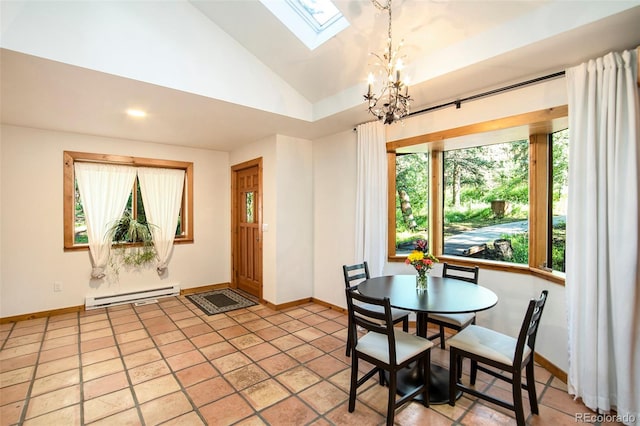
(410, 378)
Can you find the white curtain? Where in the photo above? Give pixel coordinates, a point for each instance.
(371, 196)
(161, 191)
(104, 191)
(602, 278)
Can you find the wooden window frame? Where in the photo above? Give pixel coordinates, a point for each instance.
(539, 146)
(69, 159)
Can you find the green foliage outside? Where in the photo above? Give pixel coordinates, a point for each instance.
(558, 246)
(520, 246)
(412, 179)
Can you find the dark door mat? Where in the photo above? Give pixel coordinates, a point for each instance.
(218, 301)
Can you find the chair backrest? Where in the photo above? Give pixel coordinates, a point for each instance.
(464, 273)
(362, 315)
(529, 329)
(357, 272)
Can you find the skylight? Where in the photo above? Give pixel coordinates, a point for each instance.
(312, 21)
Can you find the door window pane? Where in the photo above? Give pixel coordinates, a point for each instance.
(248, 205)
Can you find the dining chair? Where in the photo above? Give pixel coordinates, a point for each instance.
(354, 275)
(486, 347)
(454, 321)
(386, 348)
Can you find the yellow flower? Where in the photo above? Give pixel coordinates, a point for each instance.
(415, 256)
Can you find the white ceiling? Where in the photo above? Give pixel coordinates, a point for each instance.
(454, 48)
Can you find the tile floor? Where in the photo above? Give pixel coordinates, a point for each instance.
(168, 363)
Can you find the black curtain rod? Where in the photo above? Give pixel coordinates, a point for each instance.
(458, 102)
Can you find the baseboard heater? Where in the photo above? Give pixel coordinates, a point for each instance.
(94, 302)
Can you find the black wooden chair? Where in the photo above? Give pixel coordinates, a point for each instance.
(384, 347)
(353, 275)
(505, 354)
(454, 321)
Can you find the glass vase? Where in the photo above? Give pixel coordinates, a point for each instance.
(421, 281)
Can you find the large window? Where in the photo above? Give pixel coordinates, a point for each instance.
(75, 236)
(491, 193)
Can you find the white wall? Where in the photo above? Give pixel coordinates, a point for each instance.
(31, 249)
(334, 198)
(294, 255)
(334, 212)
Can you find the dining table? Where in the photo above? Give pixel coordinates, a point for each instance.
(443, 295)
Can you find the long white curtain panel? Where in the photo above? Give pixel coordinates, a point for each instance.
(602, 279)
(104, 191)
(162, 197)
(371, 196)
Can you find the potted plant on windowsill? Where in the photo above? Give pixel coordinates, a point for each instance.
(132, 243)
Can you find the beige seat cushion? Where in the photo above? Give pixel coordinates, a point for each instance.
(487, 343)
(407, 346)
(460, 320)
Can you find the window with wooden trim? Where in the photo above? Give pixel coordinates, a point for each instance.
(74, 227)
(507, 176)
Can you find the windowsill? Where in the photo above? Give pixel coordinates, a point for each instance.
(552, 276)
(85, 247)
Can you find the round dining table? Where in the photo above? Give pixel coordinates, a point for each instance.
(442, 296)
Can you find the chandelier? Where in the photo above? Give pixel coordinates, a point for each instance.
(390, 99)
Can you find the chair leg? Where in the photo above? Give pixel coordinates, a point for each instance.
(426, 374)
(405, 324)
(391, 408)
(531, 388)
(453, 375)
(442, 337)
(517, 398)
(474, 372)
(354, 383)
(349, 339)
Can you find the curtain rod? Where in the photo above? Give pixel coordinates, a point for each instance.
(458, 102)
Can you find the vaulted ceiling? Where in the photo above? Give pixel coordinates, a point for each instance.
(219, 74)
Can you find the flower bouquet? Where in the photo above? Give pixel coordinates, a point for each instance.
(422, 262)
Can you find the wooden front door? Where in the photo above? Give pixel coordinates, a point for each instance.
(247, 227)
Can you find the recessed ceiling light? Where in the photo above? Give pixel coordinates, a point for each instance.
(136, 113)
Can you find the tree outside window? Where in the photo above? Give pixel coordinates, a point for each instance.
(412, 200)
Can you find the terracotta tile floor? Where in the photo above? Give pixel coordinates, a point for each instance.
(168, 363)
